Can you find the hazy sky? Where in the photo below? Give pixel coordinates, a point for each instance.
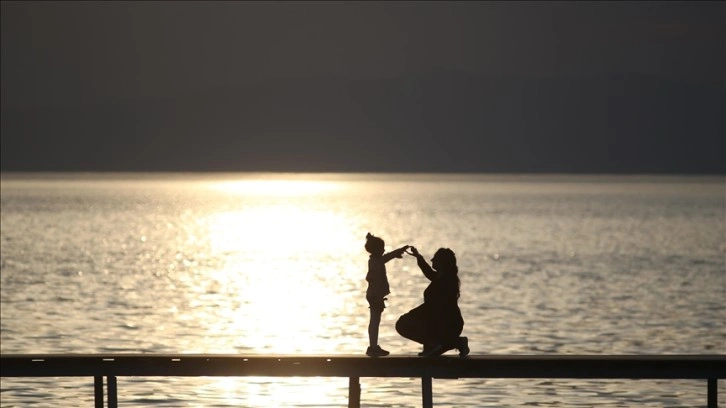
(53, 52)
(84, 53)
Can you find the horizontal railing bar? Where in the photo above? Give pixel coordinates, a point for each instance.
(473, 366)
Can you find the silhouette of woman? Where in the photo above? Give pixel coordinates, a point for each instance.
(437, 323)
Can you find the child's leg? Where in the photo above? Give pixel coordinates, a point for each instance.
(373, 326)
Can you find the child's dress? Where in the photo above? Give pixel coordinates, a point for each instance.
(377, 279)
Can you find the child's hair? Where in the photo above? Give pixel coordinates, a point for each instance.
(374, 244)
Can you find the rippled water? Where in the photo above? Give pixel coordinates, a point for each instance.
(260, 263)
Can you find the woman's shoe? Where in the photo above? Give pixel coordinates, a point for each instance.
(463, 346)
(426, 348)
(432, 351)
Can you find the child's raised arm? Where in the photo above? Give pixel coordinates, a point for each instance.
(396, 253)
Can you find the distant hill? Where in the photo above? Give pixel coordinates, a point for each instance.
(439, 122)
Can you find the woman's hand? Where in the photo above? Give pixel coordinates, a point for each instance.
(413, 251)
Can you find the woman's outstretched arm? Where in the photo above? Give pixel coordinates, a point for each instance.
(425, 267)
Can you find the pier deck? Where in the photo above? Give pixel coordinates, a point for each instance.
(706, 367)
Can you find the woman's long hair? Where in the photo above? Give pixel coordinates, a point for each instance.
(447, 261)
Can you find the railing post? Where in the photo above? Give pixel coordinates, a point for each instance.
(712, 393)
(98, 391)
(112, 392)
(354, 392)
(427, 392)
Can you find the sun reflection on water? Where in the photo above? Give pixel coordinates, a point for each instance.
(275, 392)
(287, 276)
(271, 185)
(288, 281)
(278, 230)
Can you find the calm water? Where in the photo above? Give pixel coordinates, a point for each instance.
(259, 263)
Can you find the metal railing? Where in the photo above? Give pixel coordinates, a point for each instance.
(710, 368)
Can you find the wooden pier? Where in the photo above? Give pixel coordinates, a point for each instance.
(709, 368)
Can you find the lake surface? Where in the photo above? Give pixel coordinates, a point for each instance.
(274, 263)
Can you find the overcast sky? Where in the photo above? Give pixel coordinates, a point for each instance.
(83, 53)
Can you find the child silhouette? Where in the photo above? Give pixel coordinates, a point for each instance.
(377, 288)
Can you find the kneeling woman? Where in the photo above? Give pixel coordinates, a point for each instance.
(437, 323)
